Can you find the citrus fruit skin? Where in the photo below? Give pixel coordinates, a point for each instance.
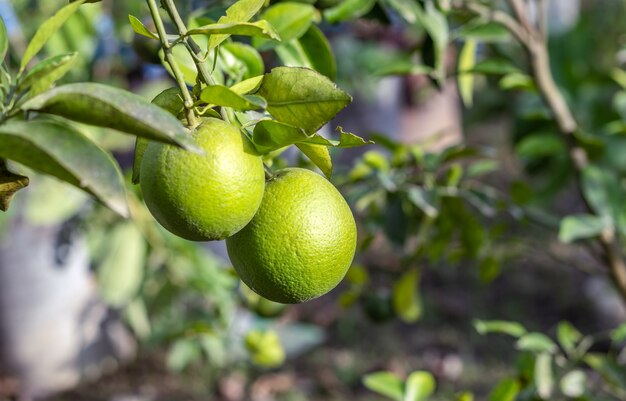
(300, 243)
(204, 197)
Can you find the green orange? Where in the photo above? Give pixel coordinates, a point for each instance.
(300, 243)
(209, 196)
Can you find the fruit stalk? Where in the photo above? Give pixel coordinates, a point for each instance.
(192, 121)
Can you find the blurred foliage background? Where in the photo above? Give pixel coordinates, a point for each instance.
(467, 208)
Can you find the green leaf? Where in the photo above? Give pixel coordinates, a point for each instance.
(241, 11)
(311, 50)
(4, 40)
(44, 74)
(513, 329)
(105, 106)
(604, 192)
(348, 9)
(260, 28)
(568, 336)
(494, 66)
(406, 300)
(619, 334)
(582, 226)
(346, 140)
(291, 21)
(59, 150)
(247, 86)
(419, 386)
(141, 144)
(222, 96)
(610, 370)
(424, 199)
(319, 155)
(247, 56)
(302, 97)
(484, 31)
(386, 384)
(10, 183)
(517, 81)
(140, 28)
(537, 343)
(402, 67)
(574, 383)
(182, 353)
(121, 272)
(506, 390)
(467, 60)
(270, 135)
(46, 30)
(544, 377)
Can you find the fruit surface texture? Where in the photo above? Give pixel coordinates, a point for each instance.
(203, 197)
(301, 242)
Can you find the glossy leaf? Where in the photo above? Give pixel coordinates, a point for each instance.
(291, 20)
(59, 150)
(346, 140)
(247, 56)
(140, 28)
(582, 226)
(121, 272)
(105, 106)
(386, 384)
(348, 10)
(44, 74)
(419, 386)
(319, 155)
(467, 60)
(257, 29)
(247, 86)
(270, 135)
(46, 30)
(311, 50)
(241, 11)
(4, 40)
(222, 96)
(302, 97)
(10, 183)
(513, 329)
(406, 300)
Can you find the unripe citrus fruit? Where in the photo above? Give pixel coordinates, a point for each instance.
(300, 243)
(204, 197)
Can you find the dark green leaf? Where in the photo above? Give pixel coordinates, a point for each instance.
(59, 150)
(260, 28)
(291, 21)
(385, 383)
(402, 67)
(46, 30)
(44, 74)
(506, 390)
(10, 183)
(241, 11)
(513, 329)
(419, 386)
(319, 155)
(582, 226)
(140, 28)
(310, 50)
(223, 96)
(406, 299)
(348, 9)
(105, 106)
(270, 135)
(302, 97)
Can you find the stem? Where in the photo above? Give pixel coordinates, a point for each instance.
(192, 121)
(536, 46)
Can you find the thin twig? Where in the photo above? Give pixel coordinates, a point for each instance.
(542, 18)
